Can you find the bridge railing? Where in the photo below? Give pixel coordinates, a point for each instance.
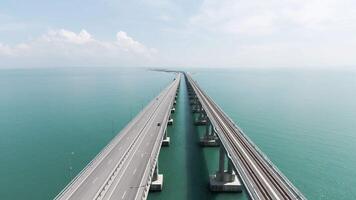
(263, 155)
(258, 150)
(154, 154)
(99, 155)
(250, 188)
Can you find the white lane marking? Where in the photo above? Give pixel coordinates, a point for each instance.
(123, 196)
(142, 137)
(134, 171)
(95, 180)
(105, 187)
(151, 155)
(88, 170)
(248, 157)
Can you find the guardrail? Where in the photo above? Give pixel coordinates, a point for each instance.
(251, 190)
(106, 150)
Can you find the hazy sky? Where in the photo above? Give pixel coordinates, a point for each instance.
(203, 33)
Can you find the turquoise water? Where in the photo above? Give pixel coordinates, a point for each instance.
(46, 114)
(54, 121)
(305, 121)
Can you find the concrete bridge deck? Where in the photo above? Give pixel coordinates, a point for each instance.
(126, 167)
(261, 178)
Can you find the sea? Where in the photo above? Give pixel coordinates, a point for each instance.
(53, 121)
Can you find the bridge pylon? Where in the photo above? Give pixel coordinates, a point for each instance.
(170, 121)
(157, 180)
(224, 180)
(166, 140)
(202, 118)
(210, 139)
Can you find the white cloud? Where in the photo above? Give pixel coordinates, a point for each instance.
(129, 44)
(67, 36)
(234, 16)
(6, 50)
(65, 47)
(203, 33)
(274, 33)
(269, 16)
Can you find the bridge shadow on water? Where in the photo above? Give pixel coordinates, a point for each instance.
(196, 164)
(201, 162)
(184, 164)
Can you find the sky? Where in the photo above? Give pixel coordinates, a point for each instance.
(165, 33)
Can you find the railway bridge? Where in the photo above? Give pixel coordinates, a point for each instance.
(127, 168)
(245, 162)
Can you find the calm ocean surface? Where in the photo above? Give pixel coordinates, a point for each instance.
(54, 121)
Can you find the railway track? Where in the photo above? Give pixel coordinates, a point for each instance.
(260, 178)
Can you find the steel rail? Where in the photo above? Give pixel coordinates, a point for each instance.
(261, 190)
(259, 153)
(265, 166)
(257, 160)
(284, 190)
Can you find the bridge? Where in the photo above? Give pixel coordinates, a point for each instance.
(262, 180)
(127, 168)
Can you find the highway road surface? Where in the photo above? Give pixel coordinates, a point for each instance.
(124, 168)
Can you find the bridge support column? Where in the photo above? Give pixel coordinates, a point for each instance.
(166, 140)
(196, 107)
(191, 94)
(210, 139)
(157, 180)
(193, 100)
(170, 120)
(224, 180)
(202, 118)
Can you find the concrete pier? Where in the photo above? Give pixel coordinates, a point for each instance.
(194, 101)
(170, 121)
(200, 122)
(157, 181)
(202, 118)
(219, 183)
(196, 109)
(210, 139)
(195, 104)
(224, 180)
(166, 140)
